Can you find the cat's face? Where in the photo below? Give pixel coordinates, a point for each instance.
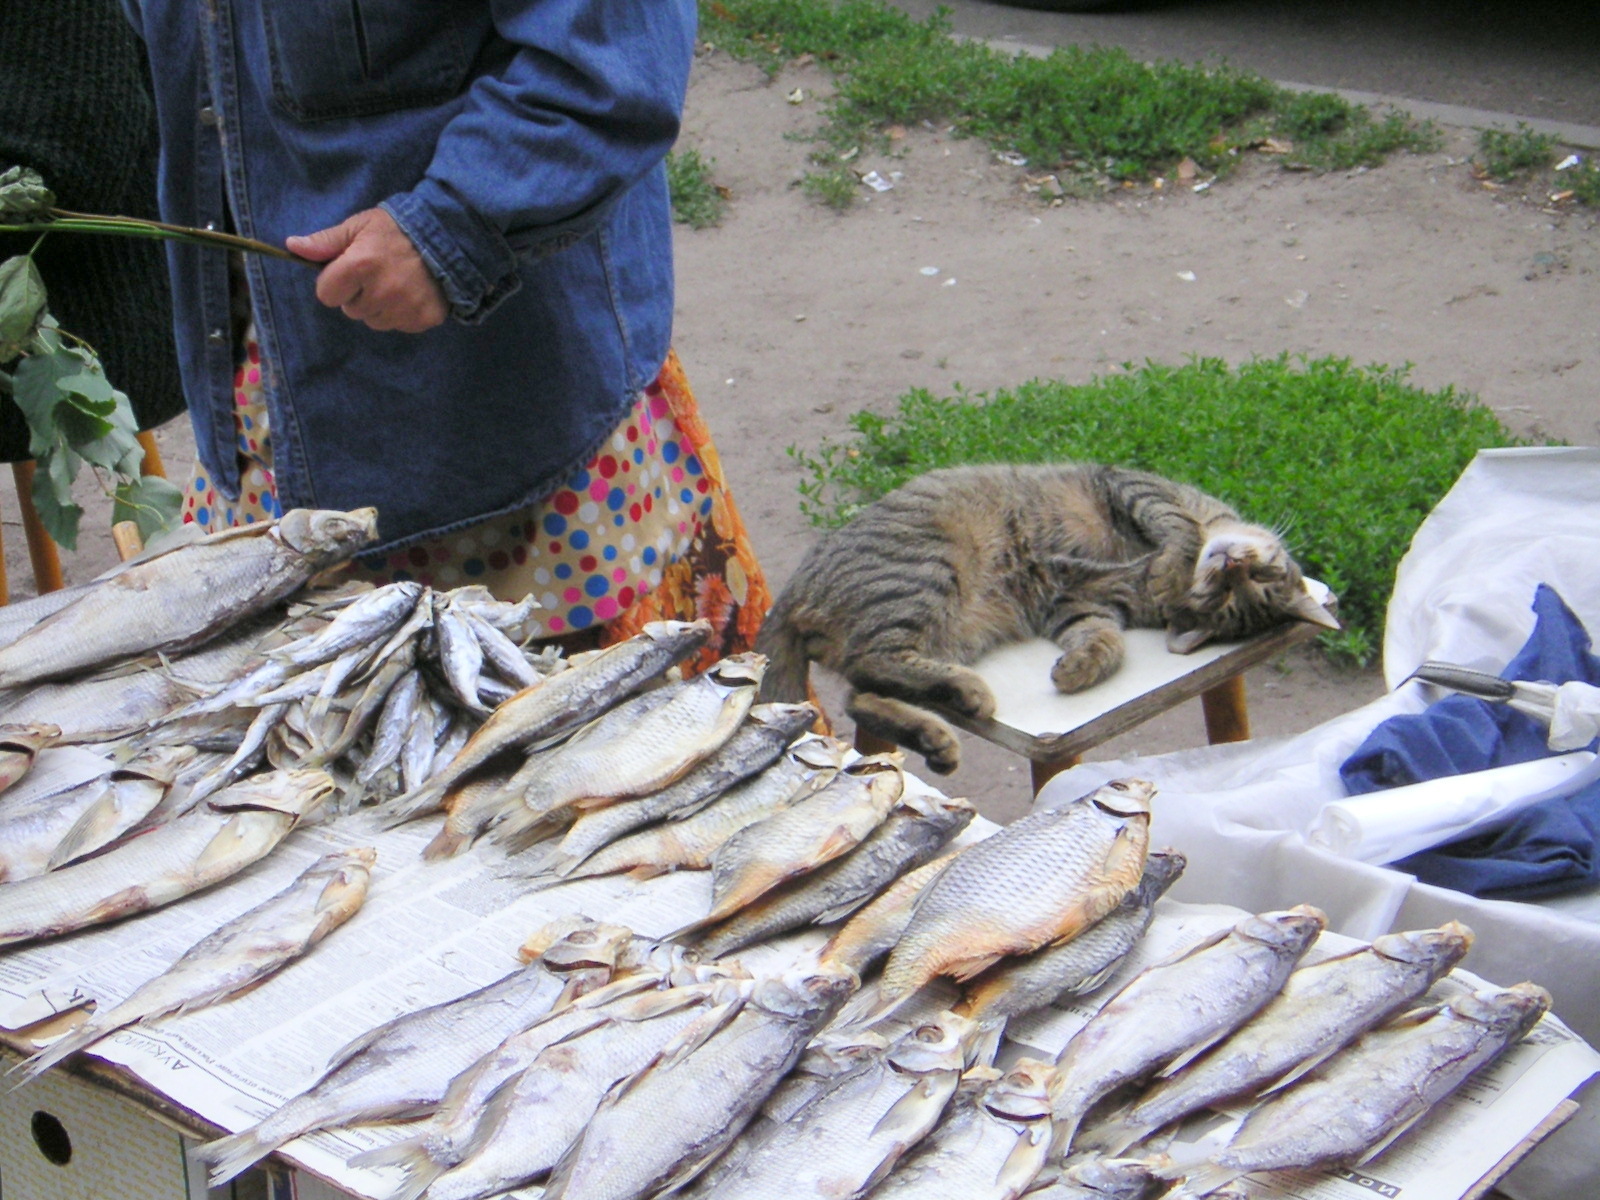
(1244, 583)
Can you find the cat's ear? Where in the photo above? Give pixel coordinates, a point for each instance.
(1305, 608)
(1187, 632)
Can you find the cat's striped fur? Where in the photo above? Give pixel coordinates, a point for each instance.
(959, 561)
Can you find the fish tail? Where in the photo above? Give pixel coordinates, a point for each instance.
(38, 1064)
(415, 803)
(446, 844)
(412, 1156)
(1203, 1181)
(236, 1154)
(1114, 1137)
(788, 674)
(1063, 1132)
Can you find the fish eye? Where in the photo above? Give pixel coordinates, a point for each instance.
(581, 937)
(929, 1033)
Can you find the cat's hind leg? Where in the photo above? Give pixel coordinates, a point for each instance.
(909, 726)
(907, 675)
(1092, 648)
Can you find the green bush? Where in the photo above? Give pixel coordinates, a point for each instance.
(1344, 461)
(696, 201)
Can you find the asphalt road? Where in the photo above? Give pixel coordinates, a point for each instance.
(1531, 58)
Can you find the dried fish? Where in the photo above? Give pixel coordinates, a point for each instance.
(1037, 882)
(18, 746)
(755, 745)
(853, 1134)
(913, 833)
(816, 830)
(676, 728)
(561, 704)
(689, 845)
(1367, 1096)
(991, 1146)
(237, 827)
(499, 651)
(1322, 1008)
(460, 653)
(403, 1067)
(1179, 1008)
(1019, 985)
(668, 1122)
(1102, 1179)
(360, 623)
(186, 596)
(131, 794)
(873, 931)
(237, 955)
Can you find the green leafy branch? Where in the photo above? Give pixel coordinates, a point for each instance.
(74, 415)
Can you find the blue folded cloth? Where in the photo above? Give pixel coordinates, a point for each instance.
(1542, 850)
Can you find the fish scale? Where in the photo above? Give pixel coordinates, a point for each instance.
(875, 929)
(1040, 880)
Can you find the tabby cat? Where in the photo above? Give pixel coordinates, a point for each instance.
(959, 561)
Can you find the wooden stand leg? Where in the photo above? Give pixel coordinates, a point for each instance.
(41, 550)
(152, 464)
(871, 743)
(1227, 719)
(1044, 772)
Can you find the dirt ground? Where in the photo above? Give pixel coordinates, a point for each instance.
(791, 316)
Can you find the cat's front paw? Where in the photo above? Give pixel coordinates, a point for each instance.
(965, 692)
(1094, 660)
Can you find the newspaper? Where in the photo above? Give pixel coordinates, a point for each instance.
(432, 931)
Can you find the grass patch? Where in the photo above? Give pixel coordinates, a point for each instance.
(1092, 111)
(1345, 461)
(697, 201)
(836, 187)
(1512, 154)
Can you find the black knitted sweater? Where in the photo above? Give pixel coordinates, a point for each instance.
(75, 106)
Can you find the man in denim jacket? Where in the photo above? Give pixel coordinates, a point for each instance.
(483, 182)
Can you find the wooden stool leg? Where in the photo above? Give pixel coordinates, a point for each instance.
(1227, 719)
(41, 550)
(1044, 772)
(152, 464)
(871, 743)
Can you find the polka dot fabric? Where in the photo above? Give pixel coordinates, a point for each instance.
(644, 531)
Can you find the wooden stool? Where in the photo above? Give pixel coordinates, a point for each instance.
(1053, 731)
(42, 552)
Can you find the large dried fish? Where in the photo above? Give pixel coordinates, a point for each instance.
(617, 757)
(560, 704)
(1037, 882)
(662, 1127)
(132, 793)
(1367, 1096)
(403, 1067)
(806, 835)
(991, 1146)
(873, 931)
(533, 1119)
(234, 829)
(852, 1134)
(1019, 985)
(188, 595)
(755, 746)
(1322, 1008)
(915, 832)
(1179, 1008)
(690, 844)
(237, 955)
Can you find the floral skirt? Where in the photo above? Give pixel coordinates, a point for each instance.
(645, 531)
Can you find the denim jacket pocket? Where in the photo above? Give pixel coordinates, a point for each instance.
(348, 58)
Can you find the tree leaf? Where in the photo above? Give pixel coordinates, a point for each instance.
(57, 513)
(90, 391)
(22, 301)
(96, 438)
(152, 502)
(35, 391)
(23, 193)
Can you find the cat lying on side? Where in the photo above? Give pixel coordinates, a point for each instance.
(959, 561)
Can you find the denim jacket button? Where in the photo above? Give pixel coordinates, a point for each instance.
(208, 116)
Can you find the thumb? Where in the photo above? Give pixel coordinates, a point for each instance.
(325, 245)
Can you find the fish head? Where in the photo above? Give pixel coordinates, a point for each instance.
(1023, 1092)
(1161, 870)
(1510, 1012)
(346, 875)
(1128, 798)
(792, 719)
(677, 633)
(297, 793)
(1115, 1178)
(550, 933)
(1291, 930)
(834, 1051)
(596, 946)
(820, 753)
(1440, 948)
(29, 738)
(806, 992)
(939, 1044)
(326, 535)
(161, 763)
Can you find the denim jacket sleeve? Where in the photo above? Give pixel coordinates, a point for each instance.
(587, 105)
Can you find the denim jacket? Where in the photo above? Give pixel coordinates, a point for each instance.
(519, 143)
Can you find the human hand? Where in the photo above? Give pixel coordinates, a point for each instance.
(374, 274)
